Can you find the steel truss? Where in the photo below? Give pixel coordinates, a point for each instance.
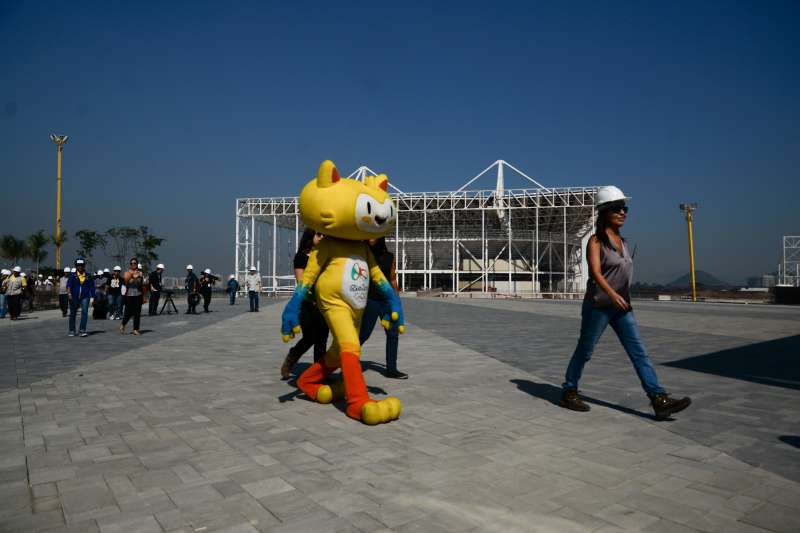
(789, 274)
(520, 242)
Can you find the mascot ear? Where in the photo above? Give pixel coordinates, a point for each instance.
(382, 182)
(327, 174)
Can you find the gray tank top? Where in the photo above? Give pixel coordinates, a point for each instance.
(134, 287)
(617, 268)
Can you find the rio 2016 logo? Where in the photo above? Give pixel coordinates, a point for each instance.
(358, 272)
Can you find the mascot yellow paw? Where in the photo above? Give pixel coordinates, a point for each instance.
(401, 329)
(395, 316)
(324, 394)
(371, 414)
(381, 412)
(296, 330)
(285, 338)
(395, 407)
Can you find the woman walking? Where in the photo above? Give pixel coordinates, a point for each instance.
(608, 302)
(115, 294)
(376, 308)
(315, 330)
(134, 293)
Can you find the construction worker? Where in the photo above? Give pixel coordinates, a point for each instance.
(232, 288)
(207, 280)
(14, 286)
(81, 291)
(192, 286)
(155, 289)
(252, 283)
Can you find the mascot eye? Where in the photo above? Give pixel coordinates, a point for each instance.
(369, 208)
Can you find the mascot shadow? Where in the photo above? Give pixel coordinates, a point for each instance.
(552, 394)
(341, 405)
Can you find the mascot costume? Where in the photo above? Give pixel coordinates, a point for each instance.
(347, 212)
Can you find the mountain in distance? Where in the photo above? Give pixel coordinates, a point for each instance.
(702, 278)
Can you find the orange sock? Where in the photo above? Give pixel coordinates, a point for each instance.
(354, 385)
(312, 379)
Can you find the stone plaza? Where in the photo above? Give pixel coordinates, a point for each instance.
(189, 427)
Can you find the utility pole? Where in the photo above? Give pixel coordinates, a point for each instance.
(60, 141)
(688, 209)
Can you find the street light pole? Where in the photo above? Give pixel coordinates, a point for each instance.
(688, 209)
(60, 141)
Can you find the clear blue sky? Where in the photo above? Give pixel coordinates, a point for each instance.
(176, 108)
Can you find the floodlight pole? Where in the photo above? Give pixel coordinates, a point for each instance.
(688, 209)
(60, 141)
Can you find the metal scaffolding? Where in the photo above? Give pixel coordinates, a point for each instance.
(789, 269)
(516, 242)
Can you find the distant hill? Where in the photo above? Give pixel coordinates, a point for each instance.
(702, 278)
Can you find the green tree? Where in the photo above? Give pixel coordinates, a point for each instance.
(35, 247)
(12, 248)
(90, 240)
(123, 239)
(146, 246)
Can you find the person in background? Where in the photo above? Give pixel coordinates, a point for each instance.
(81, 291)
(48, 283)
(14, 285)
(134, 291)
(252, 282)
(608, 302)
(207, 280)
(315, 330)
(232, 289)
(192, 286)
(100, 308)
(4, 274)
(376, 308)
(63, 297)
(39, 281)
(28, 292)
(155, 289)
(115, 294)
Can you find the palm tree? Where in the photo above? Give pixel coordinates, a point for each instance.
(12, 248)
(90, 240)
(35, 247)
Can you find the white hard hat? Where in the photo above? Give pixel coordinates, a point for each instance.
(117, 268)
(189, 267)
(73, 270)
(79, 261)
(609, 194)
(207, 271)
(41, 276)
(232, 276)
(6, 272)
(105, 271)
(160, 265)
(253, 268)
(23, 275)
(99, 272)
(66, 270)
(17, 269)
(50, 277)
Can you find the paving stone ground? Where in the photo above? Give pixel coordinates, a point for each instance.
(193, 431)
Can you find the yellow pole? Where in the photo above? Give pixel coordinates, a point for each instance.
(691, 254)
(58, 213)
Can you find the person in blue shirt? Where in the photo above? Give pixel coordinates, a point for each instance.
(81, 293)
(232, 289)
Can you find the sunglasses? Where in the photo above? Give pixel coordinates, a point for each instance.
(618, 208)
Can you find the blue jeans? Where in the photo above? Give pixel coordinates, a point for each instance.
(374, 310)
(593, 322)
(253, 300)
(115, 305)
(73, 310)
(232, 297)
(3, 309)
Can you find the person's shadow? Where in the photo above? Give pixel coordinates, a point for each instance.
(552, 394)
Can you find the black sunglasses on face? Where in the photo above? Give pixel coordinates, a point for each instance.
(618, 208)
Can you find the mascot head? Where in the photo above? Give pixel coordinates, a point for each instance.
(347, 208)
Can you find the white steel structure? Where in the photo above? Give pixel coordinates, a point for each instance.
(517, 242)
(789, 269)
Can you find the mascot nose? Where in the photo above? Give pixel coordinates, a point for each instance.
(380, 220)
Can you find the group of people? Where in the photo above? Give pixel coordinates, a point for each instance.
(315, 330)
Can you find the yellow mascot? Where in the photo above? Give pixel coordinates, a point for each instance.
(340, 268)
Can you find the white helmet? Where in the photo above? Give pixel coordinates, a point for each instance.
(41, 276)
(50, 278)
(189, 267)
(252, 269)
(105, 271)
(160, 265)
(609, 194)
(231, 276)
(23, 275)
(117, 268)
(17, 269)
(207, 271)
(66, 270)
(99, 272)
(73, 270)
(6, 272)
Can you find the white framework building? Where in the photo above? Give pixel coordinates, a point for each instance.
(521, 242)
(789, 269)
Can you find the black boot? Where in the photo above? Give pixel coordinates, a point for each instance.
(664, 406)
(571, 400)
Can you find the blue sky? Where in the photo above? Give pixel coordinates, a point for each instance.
(176, 108)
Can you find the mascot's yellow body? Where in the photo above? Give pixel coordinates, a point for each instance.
(340, 268)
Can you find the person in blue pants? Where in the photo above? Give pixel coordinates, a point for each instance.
(81, 291)
(377, 308)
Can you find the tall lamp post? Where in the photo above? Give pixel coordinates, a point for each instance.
(688, 209)
(60, 141)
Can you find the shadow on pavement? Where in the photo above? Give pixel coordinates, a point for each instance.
(768, 363)
(791, 440)
(552, 394)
